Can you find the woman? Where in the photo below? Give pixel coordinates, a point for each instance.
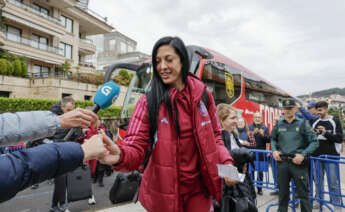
(246, 137)
(228, 120)
(181, 174)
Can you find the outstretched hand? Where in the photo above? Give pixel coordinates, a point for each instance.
(93, 147)
(78, 118)
(114, 152)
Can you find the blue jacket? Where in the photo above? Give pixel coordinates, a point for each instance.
(22, 169)
(305, 114)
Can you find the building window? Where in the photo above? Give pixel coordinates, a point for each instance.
(66, 50)
(87, 98)
(5, 94)
(13, 33)
(42, 10)
(41, 71)
(68, 23)
(65, 94)
(123, 48)
(39, 42)
(112, 44)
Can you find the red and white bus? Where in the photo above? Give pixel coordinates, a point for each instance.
(229, 82)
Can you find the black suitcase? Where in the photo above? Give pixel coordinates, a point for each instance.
(79, 184)
(125, 187)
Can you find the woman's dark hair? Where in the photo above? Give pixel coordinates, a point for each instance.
(159, 92)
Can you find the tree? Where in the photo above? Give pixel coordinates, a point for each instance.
(3, 67)
(17, 67)
(10, 68)
(24, 68)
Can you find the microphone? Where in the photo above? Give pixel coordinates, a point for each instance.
(105, 96)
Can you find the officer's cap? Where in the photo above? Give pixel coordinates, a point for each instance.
(289, 103)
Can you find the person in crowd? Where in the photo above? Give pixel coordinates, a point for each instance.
(24, 168)
(228, 118)
(310, 114)
(94, 129)
(330, 136)
(292, 140)
(228, 121)
(244, 134)
(181, 174)
(261, 136)
(59, 195)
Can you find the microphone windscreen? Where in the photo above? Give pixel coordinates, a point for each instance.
(106, 94)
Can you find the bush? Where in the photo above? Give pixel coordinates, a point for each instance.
(124, 74)
(17, 66)
(3, 67)
(96, 79)
(23, 104)
(10, 68)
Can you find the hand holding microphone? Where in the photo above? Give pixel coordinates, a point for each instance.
(105, 96)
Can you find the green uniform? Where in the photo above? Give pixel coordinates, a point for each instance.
(289, 139)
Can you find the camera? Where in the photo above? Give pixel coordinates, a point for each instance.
(242, 156)
(318, 131)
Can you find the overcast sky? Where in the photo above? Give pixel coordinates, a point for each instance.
(297, 45)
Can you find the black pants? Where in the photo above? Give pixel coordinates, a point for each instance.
(59, 195)
(259, 178)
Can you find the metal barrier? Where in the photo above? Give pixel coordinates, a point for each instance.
(11, 148)
(331, 193)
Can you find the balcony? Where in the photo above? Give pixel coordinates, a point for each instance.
(31, 17)
(32, 49)
(86, 46)
(86, 67)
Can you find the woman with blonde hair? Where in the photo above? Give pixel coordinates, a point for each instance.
(244, 134)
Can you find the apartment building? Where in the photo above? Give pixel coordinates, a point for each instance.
(115, 47)
(50, 32)
(47, 33)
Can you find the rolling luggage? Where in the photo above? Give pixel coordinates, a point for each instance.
(79, 184)
(125, 187)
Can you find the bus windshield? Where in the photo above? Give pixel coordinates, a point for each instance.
(136, 89)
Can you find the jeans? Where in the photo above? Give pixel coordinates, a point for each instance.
(333, 179)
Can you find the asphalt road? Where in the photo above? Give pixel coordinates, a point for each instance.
(39, 200)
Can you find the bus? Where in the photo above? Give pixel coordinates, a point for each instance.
(228, 81)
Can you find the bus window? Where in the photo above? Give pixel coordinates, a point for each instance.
(136, 89)
(260, 92)
(223, 81)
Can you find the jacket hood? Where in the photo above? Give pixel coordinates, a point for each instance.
(56, 108)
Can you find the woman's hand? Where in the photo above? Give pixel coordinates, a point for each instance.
(229, 181)
(93, 148)
(114, 152)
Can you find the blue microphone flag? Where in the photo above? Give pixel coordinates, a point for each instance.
(106, 94)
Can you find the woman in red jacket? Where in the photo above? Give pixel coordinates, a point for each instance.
(181, 174)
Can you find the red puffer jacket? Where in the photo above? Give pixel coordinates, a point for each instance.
(159, 190)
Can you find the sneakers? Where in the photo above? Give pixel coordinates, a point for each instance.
(34, 186)
(64, 208)
(92, 200)
(54, 209)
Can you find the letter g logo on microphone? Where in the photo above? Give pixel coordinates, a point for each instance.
(106, 90)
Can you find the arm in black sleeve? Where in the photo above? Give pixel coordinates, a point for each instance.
(22, 169)
(338, 137)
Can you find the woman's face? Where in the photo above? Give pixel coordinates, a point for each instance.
(240, 123)
(169, 66)
(230, 122)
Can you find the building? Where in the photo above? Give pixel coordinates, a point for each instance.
(48, 33)
(115, 47)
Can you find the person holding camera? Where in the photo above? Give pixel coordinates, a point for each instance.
(292, 140)
(330, 135)
(261, 135)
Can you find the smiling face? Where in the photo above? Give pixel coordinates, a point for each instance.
(241, 123)
(230, 122)
(169, 66)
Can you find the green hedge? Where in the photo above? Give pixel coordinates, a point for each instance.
(23, 104)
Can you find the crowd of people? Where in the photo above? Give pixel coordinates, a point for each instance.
(185, 135)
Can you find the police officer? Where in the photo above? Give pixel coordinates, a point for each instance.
(292, 140)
